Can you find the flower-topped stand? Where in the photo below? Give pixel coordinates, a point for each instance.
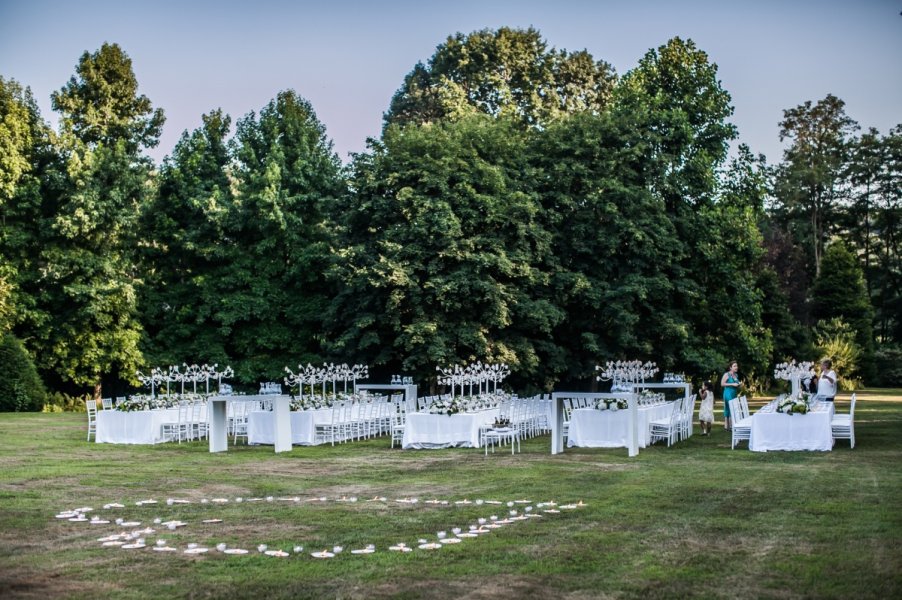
(795, 373)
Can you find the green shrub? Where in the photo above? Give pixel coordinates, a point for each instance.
(21, 389)
(60, 402)
(836, 341)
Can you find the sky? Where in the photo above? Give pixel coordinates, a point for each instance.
(348, 57)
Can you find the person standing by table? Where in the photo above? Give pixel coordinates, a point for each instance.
(730, 384)
(826, 381)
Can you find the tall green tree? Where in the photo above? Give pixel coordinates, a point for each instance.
(273, 286)
(504, 72)
(186, 249)
(810, 183)
(442, 253)
(840, 292)
(87, 287)
(611, 245)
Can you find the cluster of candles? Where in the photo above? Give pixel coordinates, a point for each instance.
(478, 374)
(136, 538)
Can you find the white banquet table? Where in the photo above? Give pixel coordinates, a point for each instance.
(592, 428)
(428, 431)
(261, 426)
(133, 427)
(772, 430)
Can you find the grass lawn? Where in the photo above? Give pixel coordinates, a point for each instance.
(695, 520)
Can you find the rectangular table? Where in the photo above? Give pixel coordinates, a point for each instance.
(778, 431)
(592, 428)
(426, 431)
(219, 421)
(261, 428)
(133, 427)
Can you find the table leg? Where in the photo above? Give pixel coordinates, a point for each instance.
(219, 434)
(281, 414)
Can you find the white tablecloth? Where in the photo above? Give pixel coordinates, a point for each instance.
(778, 431)
(423, 430)
(135, 427)
(261, 429)
(591, 428)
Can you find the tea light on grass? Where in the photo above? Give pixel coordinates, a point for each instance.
(262, 548)
(400, 547)
(298, 549)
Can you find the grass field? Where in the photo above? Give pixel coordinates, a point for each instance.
(694, 520)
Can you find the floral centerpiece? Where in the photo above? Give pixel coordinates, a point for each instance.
(794, 405)
(146, 402)
(446, 406)
(611, 403)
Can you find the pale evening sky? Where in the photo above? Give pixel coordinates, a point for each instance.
(348, 57)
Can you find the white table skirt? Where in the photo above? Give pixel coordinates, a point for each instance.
(134, 427)
(778, 431)
(425, 431)
(261, 429)
(591, 428)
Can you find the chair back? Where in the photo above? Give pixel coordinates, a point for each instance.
(91, 406)
(744, 406)
(852, 408)
(107, 403)
(735, 409)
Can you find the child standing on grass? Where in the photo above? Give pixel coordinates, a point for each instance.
(706, 409)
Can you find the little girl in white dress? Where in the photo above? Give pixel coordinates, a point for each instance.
(706, 409)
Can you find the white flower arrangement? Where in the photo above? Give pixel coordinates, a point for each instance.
(794, 405)
(447, 406)
(788, 370)
(145, 402)
(611, 403)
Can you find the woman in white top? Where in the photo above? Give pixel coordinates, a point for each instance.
(826, 381)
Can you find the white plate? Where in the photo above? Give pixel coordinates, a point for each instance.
(66, 515)
(81, 519)
(212, 521)
(363, 551)
(453, 540)
(133, 546)
(164, 549)
(467, 535)
(552, 511)
(234, 551)
(322, 554)
(196, 550)
(277, 553)
(400, 548)
(99, 522)
(114, 543)
(429, 546)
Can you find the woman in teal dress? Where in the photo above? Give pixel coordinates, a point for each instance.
(730, 384)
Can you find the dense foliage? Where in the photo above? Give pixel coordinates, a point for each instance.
(21, 389)
(523, 205)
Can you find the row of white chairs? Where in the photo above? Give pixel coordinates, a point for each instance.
(677, 426)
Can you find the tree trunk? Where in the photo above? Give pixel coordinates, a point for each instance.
(97, 389)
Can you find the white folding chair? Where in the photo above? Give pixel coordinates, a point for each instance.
(399, 418)
(742, 421)
(667, 428)
(180, 429)
(91, 407)
(501, 435)
(107, 403)
(843, 426)
(686, 417)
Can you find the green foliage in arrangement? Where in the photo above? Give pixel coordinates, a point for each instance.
(21, 389)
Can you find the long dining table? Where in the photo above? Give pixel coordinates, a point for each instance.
(772, 430)
(133, 427)
(429, 431)
(593, 428)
